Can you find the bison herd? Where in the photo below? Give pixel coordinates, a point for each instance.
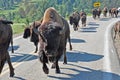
(51, 32)
(113, 12)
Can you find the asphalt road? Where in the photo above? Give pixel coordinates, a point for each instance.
(87, 60)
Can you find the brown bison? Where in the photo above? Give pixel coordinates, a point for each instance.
(74, 20)
(96, 13)
(53, 34)
(114, 12)
(28, 32)
(105, 10)
(117, 29)
(5, 40)
(83, 17)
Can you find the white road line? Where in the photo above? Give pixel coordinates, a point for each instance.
(17, 37)
(107, 61)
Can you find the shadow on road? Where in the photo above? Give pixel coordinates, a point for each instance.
(93, 24)
(91, 27)
(14, 47)
(82, 56)
(18, 78)
(19, 57)
(105, 19)
(86, 74)
(77, 40)
(88, 29)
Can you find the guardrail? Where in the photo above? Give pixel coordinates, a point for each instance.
(111, 56)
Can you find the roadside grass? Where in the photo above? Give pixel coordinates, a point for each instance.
(18, 28)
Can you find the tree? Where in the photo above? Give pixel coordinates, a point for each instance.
(22, 12)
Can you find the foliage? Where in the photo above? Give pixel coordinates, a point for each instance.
(18, 28)
(25, 11)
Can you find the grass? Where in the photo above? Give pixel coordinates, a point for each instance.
(18, 28)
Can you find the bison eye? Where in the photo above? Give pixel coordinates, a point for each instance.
(51, 16)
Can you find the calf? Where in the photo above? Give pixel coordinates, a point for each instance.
(28, 32)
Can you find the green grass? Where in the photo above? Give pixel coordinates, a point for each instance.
(18, 28)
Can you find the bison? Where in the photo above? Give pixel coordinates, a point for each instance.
(105, 10)
(83, 17)
(53, 34)
(96, 13)
(74, 20)
(114, 12)
(28, 32)
(117, 29)
(6, 38)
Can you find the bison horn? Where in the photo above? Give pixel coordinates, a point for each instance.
(62, 30)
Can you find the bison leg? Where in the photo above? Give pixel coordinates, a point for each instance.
(119, 34)
(12, 46)
(44, 60)
(36, 45)
(57, 58)
(74, 26)
(36, 49)
(53, 65)
(94, 16)
(115, 34)
(115, 15)
(70, 43)
(2, 62)
(45, 68)
(57, 67)
(65, 57)
(10, 65)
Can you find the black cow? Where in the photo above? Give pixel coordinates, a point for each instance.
(74, 20)
(53, 34)
(6, 37)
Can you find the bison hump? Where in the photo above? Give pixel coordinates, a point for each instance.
(6, 22)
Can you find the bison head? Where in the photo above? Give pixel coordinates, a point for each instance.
(71, 20)
(51, 37)
(26, 33)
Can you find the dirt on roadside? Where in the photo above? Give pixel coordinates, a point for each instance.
(117, 45)
(16, 35)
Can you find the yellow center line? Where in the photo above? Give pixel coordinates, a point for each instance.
(15, 64)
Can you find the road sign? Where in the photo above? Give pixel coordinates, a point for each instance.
(96, 4)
